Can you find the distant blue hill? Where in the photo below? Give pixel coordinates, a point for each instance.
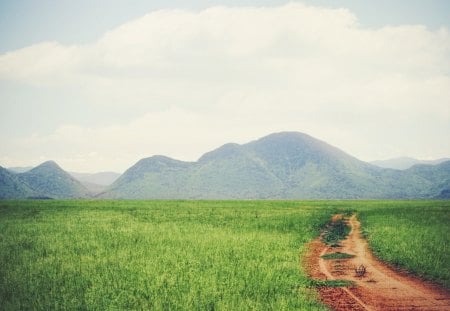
(403, 163)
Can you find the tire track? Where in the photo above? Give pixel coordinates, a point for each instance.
(380, 288)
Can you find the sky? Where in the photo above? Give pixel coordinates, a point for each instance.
(98, 85)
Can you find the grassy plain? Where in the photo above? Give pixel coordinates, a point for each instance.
(194, 255)
(162, 255)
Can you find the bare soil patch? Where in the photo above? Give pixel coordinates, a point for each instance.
(379, 287)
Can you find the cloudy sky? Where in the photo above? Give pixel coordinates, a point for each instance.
(97, 85)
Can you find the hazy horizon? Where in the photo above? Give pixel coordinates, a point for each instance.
(96, 87)
(380, 161)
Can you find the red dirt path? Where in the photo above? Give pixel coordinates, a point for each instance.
(381, 288)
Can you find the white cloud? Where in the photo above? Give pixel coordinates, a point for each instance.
(47, 62)
(197, 79)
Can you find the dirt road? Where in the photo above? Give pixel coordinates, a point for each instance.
(379, 288)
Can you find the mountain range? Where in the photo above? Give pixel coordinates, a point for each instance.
(403, 163)
(47, 180)
(287, 165)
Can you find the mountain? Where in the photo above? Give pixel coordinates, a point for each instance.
(403, 163)
(287, 165)
(437, 178)
(49, 180)
(11, 187)
(155, 177)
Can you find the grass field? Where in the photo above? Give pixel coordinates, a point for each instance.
(414, 235)
(194, 255)
(162, 255)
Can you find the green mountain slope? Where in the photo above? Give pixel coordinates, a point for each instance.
(11, 187)
(437, 177)
(49, 180)
(232, 172)
(155, 177)
(286, 165)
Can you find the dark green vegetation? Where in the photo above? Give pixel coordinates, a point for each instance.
(47, 180)
(414, 235)
(332, 283)
(337, 255)
(335, 231)
(285, 165)
(226, 255)
(278, 166)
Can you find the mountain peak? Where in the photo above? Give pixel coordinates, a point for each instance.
(286, 135)
(298, 147)
(50, 180)
(294, 138)
(52, 165)
(156, 161)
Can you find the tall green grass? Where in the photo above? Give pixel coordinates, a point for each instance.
(413, 235)
(162, 255)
